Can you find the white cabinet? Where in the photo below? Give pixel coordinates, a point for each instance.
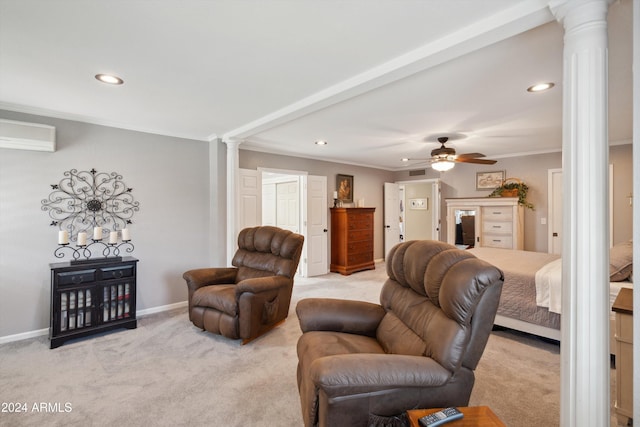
(496, 222)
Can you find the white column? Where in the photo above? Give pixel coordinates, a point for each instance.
(585, 382)
(233, 164)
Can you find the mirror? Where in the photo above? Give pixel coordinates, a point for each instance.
(465, 227)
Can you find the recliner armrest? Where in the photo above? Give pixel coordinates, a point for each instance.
(346, 374)
(327, 314)
(261, 284)
(209, 276)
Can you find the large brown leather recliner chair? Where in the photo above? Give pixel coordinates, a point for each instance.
(253, 296)
(361, 363)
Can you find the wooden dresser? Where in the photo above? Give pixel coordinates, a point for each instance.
(351, 240)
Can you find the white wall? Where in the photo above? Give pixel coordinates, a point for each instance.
(170, 179)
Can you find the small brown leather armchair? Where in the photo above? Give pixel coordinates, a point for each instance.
(247, 300)
(365, 364)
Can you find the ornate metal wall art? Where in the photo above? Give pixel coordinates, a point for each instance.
(90, 203)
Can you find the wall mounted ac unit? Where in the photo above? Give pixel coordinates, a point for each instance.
(27, 136)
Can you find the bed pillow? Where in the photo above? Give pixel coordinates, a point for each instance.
(621, 262)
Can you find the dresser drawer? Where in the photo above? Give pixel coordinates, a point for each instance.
(76, 277)
(365, 246)
(624, 327)
(118, 272)
(498, 227)
(356, 235)
(359, 258)
(359, 222)
(496, 241)
(497, 213)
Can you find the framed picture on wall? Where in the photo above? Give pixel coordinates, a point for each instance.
(344, 184)
(489, 180)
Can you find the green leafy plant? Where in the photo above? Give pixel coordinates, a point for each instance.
(508, 187)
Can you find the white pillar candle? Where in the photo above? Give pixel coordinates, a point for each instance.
(335, 194)
(125, 235)
(82, 238)
(97, 233)
(113, 237)
(63, 237)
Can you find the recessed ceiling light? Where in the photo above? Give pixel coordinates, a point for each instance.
(109, 79)
(540, 87)
(321, 142)
(404, 159)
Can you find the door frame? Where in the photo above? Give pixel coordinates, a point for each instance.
(436, 193)
(301, 177)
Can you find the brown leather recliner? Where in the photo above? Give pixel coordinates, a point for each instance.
(360, 363)
(247, 300)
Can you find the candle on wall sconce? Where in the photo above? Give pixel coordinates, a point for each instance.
(63, 237)
(125, 235)
(97, 233)
(82, 238)
(113, 237)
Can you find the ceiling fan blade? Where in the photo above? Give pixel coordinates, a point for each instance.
(477, 161)
(470, 155)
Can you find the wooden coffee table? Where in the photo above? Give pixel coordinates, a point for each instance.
(474, 416)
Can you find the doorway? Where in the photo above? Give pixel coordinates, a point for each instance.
(412, 211)
(296, 201)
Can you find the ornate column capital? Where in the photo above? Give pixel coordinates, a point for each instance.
(574, 13)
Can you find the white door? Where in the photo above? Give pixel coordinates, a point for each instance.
(436, 218)
(555, 211)
(391, 216)
(250, 198)
(268, 203)
(288, 202)
(315, 253)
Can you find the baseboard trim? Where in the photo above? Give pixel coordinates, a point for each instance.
(40, 332)
(24, 336)
(161, 308)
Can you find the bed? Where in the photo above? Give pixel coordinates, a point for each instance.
(530, 300)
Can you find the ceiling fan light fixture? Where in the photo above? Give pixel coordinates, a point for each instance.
(442, 165)
(540, 87)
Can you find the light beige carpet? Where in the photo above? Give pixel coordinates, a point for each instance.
(168, 373)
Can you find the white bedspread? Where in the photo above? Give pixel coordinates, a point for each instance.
(549, 286)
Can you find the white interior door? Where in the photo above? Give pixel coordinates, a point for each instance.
(250, 198)
(288, 202)
(268, 203)
(391, 216)
(436, 218)
(555, 211)
(315, 253)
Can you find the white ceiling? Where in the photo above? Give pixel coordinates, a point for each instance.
(372, 77)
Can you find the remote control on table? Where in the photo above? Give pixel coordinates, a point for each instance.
(440, 417)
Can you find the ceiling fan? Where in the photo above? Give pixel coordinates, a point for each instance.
(444, 158)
